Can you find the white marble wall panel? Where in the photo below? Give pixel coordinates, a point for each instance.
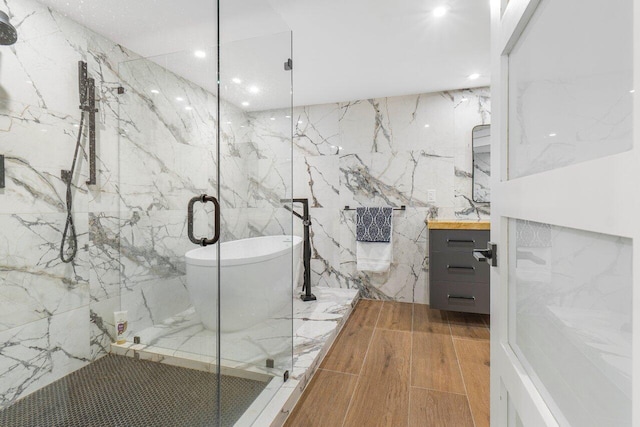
(37, 144)
(38, 353)
(154, 152)
(102, 326)
(316, 130)
(167, 142)
(46, 302)
(357, 127)
(475, 107)
(41, 57)
(317, 179)
(324, 235)
(379, 152)
(168, 155)
(270, 221)
(152, 248)
(271, 138)
(35, 283)
(154, 301)
(270, 182)
(234, 223)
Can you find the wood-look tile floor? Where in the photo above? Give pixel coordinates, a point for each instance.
(399, 364)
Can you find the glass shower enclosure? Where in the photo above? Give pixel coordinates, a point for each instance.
(207, 200)
(184, 241)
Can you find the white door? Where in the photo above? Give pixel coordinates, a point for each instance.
(565, 183)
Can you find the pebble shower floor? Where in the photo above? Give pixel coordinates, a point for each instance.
(122, 391)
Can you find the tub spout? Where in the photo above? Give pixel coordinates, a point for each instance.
(306, 221)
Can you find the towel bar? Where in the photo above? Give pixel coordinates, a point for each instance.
(401, 208)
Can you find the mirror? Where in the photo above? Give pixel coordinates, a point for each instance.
(481, 142)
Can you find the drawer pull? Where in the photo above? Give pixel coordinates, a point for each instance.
(460, 241)
(460, 267)
(460, 297)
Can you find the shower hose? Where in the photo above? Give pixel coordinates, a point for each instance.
(69, 233)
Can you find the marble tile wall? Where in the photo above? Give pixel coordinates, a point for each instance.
(168, 154)
(376, 152)
(51, 320)
(153, 154)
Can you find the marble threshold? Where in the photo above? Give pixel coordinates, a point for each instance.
(183, 341)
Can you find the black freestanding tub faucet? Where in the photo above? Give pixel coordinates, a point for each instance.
(306, 222)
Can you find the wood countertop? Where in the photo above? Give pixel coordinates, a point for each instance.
(440, 224)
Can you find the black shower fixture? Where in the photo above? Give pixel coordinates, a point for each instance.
(306, 252)
(87, 95)
(8, 33)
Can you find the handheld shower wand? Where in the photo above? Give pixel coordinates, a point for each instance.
(86, 88)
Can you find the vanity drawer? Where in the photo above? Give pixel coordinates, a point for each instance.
(458, 296)
(457, 267)
(457, 240)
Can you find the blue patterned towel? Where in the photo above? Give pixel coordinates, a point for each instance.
(373, 224)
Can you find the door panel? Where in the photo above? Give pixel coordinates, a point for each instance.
(570, 319)
(569, 88)
(564, 203)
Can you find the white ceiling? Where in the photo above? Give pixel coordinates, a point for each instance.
(343, 49)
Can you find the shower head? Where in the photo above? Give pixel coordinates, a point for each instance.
(8, 33)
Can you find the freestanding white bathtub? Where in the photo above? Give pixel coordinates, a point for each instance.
(256, 279)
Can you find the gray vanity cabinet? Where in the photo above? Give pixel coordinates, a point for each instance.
(457, 281)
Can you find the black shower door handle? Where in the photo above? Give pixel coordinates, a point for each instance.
(203, 198)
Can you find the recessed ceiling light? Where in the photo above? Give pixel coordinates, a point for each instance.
(464, 99)
(273, 118)
(552, 135)
(228, 123)
(200, 54)
(439, 11)
(426, 125)
(473, 76)
(288, 117)
(155, 91)
(76, 125)
(299, 122)
(254, 89)
(632, 91)
(188, 108)
(236, 80)
(245, 104)
(179, 99)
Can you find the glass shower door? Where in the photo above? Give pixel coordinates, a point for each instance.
(168, 162)
(260, 256)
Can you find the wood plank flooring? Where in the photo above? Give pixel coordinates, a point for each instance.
(398, 364)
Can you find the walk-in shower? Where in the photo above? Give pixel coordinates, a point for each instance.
(110, 234)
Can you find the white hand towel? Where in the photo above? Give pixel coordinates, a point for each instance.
(374, 256)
